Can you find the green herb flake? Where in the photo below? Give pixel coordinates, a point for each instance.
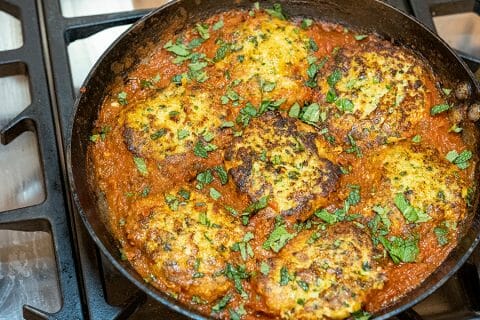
(200, 150)
(294, 110)
(238, 313)
(311, 113)
(182, 134)
(227, 124)
(447, 91)
(361, 315)
(222, 303)
(221, 52)
(417, 139)
(222, 174)
(312, 45)
(218, 25)
(334, 77)
(441, 233)
(455, 128)
(141, 165)
(122, 98)
(354, 195)
(303, 284)
(278, 238)
(268, 86)
(284, 276)
(158, 134)
(276, 11)
(344, 105)
(215, 194)
(202, 30)
(460, 160)
(360, 37)
(326, 216)
(439, 108)
(410, 213)
(264, 268)
(401, 250)
(306, 23)
(178, 49)
(172, 202)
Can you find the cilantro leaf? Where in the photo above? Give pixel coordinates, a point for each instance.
(276, 11)
(410, 213)
(277, 239)
(439, 108)
(401, 250)
(178, 49)
(141, 165)
(222, 303)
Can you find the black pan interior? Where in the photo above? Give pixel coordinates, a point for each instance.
(366, 15)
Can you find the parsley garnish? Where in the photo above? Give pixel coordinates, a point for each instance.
(360, 37)
(276, 11)
(294, 110)
(439, 108)
(334, 77)
(217, 25)
(222, 303)
(306, 23)
(141, 165)
(441, 232)
(158, 134)
(264, 268)
(410, 213)
(202, 31)
(215, 194)
(461, 160)
(178, 49)
(417, 139)
(122, 98)
(278, 238)
(343, 104)
(284, 276)
(222, 174)
(204, 178)
(401, 250)
(353, 147)
(311, 113)
(244, 247)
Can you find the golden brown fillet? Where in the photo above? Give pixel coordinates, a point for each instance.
(277, 157)
(323, 277)
(415, 175)
(376, 94)
(171, 122)
(187, 239)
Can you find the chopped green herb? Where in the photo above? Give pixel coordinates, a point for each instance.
(236, 314)
(276, 11)
(94, 137)
(204, 178)
(354, 195)
(178, 49)
(237, 274)
(344, 105)
(312, 45)
(221, 52)
(439, 108)
(354, 148)
(455, 128)
(442, 235)
(294, 110)
(311, 113)
(182, 134)
(218, 25)
(326, 216)
(284, 276)
(158, 134)
(303, 284)
(222, 174)
(264, 268)
(278, 238)
(172, 202)
(195, 43)
(331, 96)
(383, 214)
(222, 303)
(208, 136)
(122, 98)
(215, 194)
(267, 86)
(410, 213)
(401, 250)
(334, 77)
(202, 31)
(460, 160)
(141, 165)
(417, 139)
(446, 91)
(361, 315)
(360, 37)
(306, 23)
(227, 124)
(184, 194)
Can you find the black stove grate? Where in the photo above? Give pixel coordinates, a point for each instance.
(90, 287)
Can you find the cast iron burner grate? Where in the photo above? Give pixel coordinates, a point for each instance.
(90, 287)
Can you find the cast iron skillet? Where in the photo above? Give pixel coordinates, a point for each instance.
(366, 15)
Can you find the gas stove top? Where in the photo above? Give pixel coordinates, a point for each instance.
(47, 261)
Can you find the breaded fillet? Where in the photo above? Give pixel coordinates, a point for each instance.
(169, 123)
(187, 240)
(275, 158)
(425, 179)
(376, 95)
(326, 278)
